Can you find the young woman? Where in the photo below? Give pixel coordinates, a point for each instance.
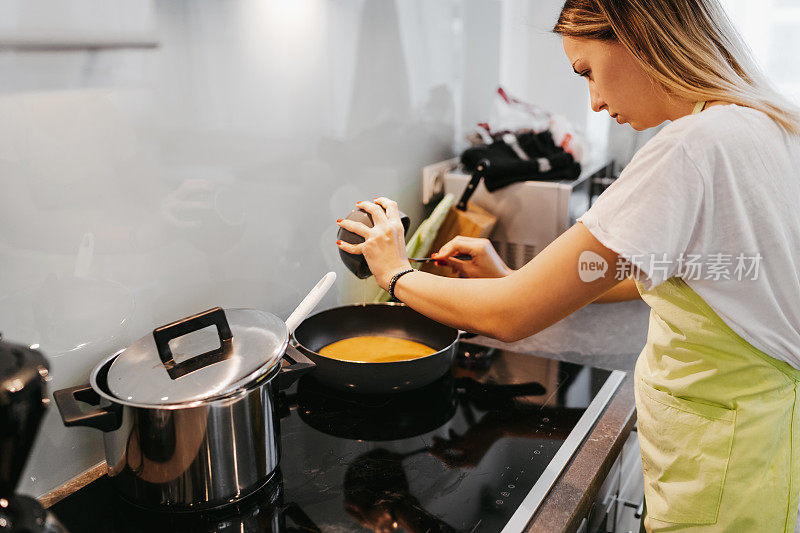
(706, 218)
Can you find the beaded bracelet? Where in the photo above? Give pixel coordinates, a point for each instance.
(396, 277)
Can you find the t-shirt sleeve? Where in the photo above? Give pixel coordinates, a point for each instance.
(651, 213)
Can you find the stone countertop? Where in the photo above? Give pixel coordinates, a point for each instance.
(602, 335)
(606, 336)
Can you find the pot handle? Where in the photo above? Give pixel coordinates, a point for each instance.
(103, 418)
(298, 365)
(462, 335)
(212, 317)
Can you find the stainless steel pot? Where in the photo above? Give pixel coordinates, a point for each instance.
(199, 446)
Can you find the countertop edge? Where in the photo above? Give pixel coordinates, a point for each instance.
(73, 485)
(570, 498)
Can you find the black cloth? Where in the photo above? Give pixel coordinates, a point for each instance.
(506, 167)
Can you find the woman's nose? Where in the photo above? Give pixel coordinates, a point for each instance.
(597, 106)
(597, 103)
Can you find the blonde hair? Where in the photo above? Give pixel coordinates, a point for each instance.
(689, 47)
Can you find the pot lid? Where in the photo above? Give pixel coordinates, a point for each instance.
(201, 357)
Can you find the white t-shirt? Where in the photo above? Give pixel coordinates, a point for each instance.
(718, 189)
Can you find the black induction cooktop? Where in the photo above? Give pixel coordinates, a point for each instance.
(475, 451)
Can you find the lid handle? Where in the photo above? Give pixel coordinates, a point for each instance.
(212, 317)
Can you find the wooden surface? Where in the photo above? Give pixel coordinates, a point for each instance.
(76, 483)
(474, 222)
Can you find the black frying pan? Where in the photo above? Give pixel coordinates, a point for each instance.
(388, 319)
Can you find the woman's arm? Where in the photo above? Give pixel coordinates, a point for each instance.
(525, 302)
(521, 304)
(623, 291)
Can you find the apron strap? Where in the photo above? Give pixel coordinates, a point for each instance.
(699, 106)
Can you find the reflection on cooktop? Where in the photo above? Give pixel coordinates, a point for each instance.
(96, 507)
(458, 455)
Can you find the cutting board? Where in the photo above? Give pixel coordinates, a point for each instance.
(474, 221)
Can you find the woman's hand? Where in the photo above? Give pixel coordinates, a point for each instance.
(485, 262)
(384, 245)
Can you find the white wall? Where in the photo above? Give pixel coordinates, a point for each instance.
(771, 29)
(535, 68)
(140, 186)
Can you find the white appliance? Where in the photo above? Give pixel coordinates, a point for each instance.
(530, 214)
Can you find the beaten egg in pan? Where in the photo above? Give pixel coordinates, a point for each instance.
(376, 349)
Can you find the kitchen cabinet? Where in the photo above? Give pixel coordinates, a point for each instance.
(617, 506)
(631, 492)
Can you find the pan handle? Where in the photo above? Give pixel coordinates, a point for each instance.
(103, 418)
(212, 317)
(462, 335)
(298, 365)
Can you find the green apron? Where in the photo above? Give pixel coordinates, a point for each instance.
(718, 421)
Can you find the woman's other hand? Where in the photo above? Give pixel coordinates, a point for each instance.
(485, 262)
(384, 245)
